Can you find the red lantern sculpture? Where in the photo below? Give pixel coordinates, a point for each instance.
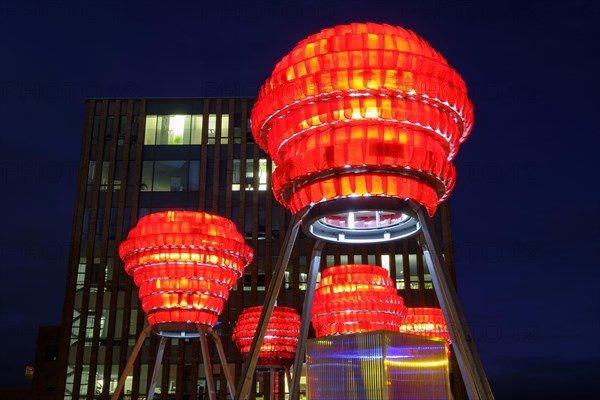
(185, 263)
(281, 340)
(362, 111)
(426, 322)
(363, 122)
(356, 298)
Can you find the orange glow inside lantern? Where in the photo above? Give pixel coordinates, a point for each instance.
(281, 338)
(356, 298)
(358, 112)
(426, 322)
(184, 263)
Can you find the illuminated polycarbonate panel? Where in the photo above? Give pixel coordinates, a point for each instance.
(379, 365)
(349, 113)
(281, 338)
(184, 263)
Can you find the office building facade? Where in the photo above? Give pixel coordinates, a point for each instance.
(145, 155)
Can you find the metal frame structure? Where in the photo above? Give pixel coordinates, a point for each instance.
(418, 223)
(201, 332)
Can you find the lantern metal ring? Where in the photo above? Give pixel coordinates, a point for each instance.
(389, 218)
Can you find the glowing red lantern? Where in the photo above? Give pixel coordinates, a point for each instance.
(360, 111)
(185, 263)
(356, 298)
(426, 322)
(281, 339)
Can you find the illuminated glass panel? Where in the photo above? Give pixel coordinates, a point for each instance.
(150, 135)
(180, 129)
(377, 365)
(249, 181)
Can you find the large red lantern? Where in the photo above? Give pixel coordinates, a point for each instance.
(281, 339)
(361, 112)
(426, 322)
(185, 263)
(356, 298)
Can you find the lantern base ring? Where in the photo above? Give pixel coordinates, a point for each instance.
(177, 330)
(362, 220)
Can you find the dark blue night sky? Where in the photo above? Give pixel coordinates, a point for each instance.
(526, 208)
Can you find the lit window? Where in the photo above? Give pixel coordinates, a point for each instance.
(184, 129)
(89, 327)
(150, 135)
(196, 129)
(249, 180)
(81, 273)
(212, 129)
(173, 129)
(385, 262)
(330, 261)
(104, 177)
(167, 129)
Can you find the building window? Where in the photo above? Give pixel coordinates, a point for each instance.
(249, 181)
(427, 276)
(90, 177)
(167, 129)
(104, 177)
(260, 282)
(183, 129)
(385, 262)
(81, 274)
(167, 176)
(89, 327)
(75, 327)
(122, 129)
(85, 376)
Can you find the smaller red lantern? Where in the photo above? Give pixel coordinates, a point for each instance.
(281, 339)
(185, 263)
(356, 298)
(426, 322)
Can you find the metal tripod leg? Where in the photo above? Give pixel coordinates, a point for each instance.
(223, 359)
(288, 376)
(159, 356)
(272, 382)
(212, 394)
(306, 309)
(465, 350)
(134, 354)
(279, 272)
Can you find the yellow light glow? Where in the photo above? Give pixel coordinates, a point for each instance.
(176, 123)
(414, 364)
(372, 112)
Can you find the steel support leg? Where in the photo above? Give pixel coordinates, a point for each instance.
(288, 376)
(466, 353)
(272, 381)
(309, 295)
(223, 359)
(157, 362)
(134, 354)
(210, 383)
(271, 296)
